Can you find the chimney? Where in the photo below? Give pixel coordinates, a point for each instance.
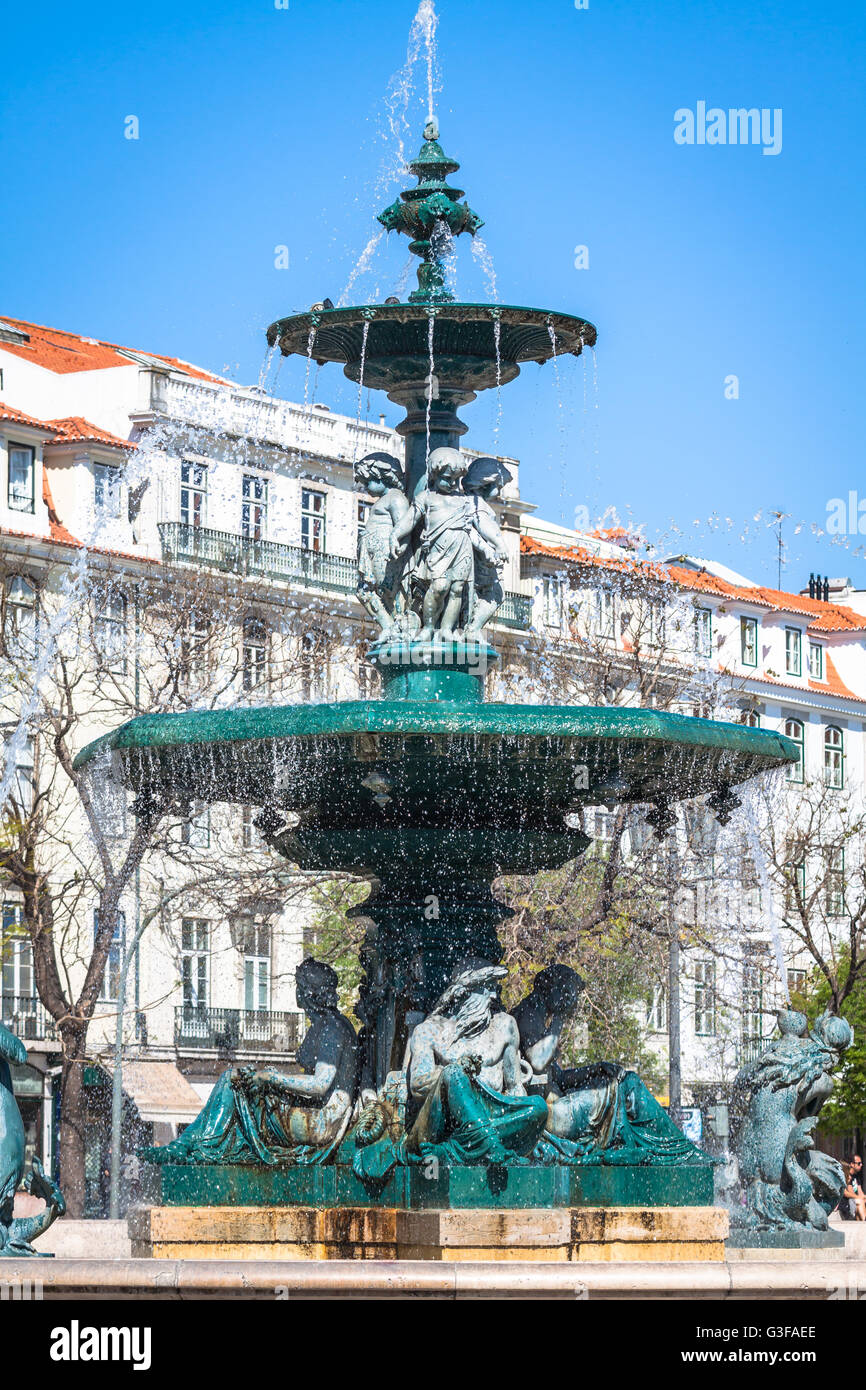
(811, 586)
(826, 589)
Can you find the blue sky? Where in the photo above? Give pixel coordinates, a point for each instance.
(262, 127)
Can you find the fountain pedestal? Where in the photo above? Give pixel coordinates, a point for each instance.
(363, 1233)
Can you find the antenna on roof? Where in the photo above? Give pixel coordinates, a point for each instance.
(780, 517)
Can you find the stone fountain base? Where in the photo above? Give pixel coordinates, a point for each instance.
(591, 1234)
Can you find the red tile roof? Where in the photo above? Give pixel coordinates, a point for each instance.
(823, 617)
(61, 352)
(17, 417)
(75, 427)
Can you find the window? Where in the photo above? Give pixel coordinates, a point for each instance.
(655, 625)
(254, 654)
(794, 731)
(793, 651)
(256, 946)
(20, 620)
(17, 957)
(110, 631)
(834, 758)
(657, 1010)
(254, 507)
(753, 1002)
(834, 883)
(312, 519)
(363, 513)
(195, 961)
(751, 719)
(249, 833)
(195, 830)
(816, 661)
(603, 822)
(193, 493)
(605, 619)
(749, 641)
(111, 979)
(22, 788)
(315, 666)
(705, 998)
(704, 632)
(21, 495)
(553, 591)
(797, 985)
(795, 887)
(107, 488)
(194, 646)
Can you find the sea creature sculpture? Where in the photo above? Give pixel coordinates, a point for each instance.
(18, 1233)
(787, 1183)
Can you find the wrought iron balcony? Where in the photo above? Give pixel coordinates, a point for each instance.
(25, 1016)
(750, 1049)
(234, 554)
(235, 1030)
(314, 569)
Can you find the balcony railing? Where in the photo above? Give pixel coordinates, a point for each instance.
(235, 1030)
(750, 1049)
(314, 569)
(516, 611)
(25, 1016)
(233, 554)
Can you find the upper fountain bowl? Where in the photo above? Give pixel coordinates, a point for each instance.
(474, 346)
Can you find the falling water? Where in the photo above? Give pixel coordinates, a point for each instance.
(595, 399)
(364, 333)
(361, 266)
(308, 407)
(431, 323)
(482, 255)
(497, 335)
(443, 250)
(422, 36)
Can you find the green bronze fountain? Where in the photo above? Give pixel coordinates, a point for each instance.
(430, 793)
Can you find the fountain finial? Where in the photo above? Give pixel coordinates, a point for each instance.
(430, 207)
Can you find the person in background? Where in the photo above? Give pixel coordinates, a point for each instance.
(853, 1195)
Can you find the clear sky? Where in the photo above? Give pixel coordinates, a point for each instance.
(262, 127)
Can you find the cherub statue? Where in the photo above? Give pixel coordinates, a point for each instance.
(449, 541)
(16, 1233)
(378, 574)
(485, 480)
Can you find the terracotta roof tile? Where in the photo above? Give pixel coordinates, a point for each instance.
(62, 352)
(823, 617)
(74, 427)
(17, 417)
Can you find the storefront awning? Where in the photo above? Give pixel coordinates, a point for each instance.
(160, 1092)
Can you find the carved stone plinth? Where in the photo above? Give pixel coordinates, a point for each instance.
(365, 1233)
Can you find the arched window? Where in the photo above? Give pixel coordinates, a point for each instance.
(254, 653)
(19, 626)
(794, 731)
(834, 757)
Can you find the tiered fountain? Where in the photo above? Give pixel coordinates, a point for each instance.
(442, 1101)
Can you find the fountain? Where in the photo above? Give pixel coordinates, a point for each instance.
(442, 1102)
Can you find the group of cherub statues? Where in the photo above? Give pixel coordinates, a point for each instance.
(430, 564)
